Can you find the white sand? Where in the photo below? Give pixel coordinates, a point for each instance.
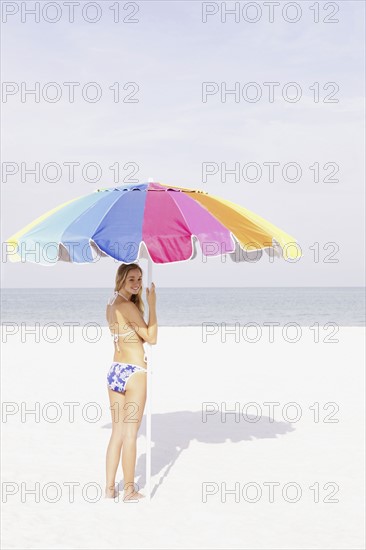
(188, 452)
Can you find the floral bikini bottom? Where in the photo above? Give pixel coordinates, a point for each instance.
(119, 374)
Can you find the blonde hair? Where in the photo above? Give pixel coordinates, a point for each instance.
(121, 277)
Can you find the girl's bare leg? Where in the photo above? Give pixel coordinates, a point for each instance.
(117, 403)
(135, 399)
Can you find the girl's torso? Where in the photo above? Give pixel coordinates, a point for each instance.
(128, 345)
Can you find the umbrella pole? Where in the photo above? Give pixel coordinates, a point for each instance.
(148, 401)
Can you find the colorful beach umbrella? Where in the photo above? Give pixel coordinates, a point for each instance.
(148, 220)
(153, 221)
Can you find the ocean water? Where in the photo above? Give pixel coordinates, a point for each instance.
(344, 306)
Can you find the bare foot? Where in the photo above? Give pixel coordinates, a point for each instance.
(111, 493)
(132, 495)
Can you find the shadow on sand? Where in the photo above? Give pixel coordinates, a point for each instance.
(172, 433)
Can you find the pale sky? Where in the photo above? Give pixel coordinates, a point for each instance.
(169, 133)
